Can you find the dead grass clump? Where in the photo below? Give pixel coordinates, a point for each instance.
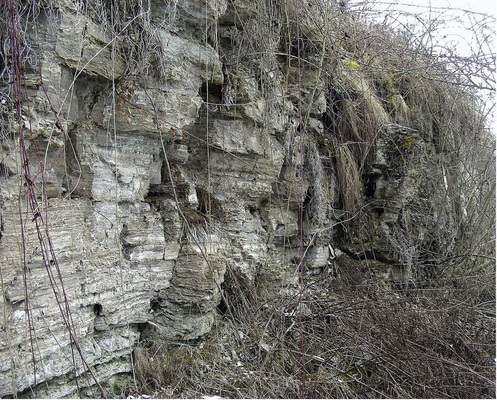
(318, 24)
(349, 179)
(239, 295)
(159, 367)
(360, 116)
(318, 194)
(401, 110)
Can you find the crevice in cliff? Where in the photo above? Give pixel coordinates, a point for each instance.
(369, 254)
(211, 94)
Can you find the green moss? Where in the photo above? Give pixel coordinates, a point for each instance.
(408, 143)
(352, 64)
(390, 84)
(401, 146)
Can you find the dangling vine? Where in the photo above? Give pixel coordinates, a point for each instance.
(300, 131)
(39, 213)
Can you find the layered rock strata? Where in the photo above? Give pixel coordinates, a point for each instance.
(154, 181)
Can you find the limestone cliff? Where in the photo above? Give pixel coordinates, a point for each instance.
(168, 145)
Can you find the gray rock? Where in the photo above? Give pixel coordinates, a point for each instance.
(149, 188)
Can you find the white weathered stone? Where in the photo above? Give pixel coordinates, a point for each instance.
(317, 257)
(84, 46)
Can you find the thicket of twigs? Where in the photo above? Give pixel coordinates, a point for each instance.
(355, 342)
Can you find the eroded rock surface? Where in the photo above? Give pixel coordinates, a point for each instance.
(152, 182)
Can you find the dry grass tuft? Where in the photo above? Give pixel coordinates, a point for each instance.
(159, 367)
(349, 179)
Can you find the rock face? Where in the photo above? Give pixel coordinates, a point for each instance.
(156, 174)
